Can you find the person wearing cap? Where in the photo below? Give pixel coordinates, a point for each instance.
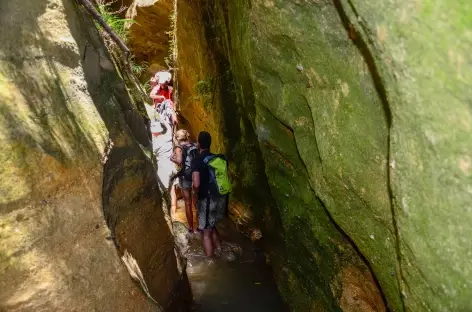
(161, 90)
(161, 94)
(163, 122)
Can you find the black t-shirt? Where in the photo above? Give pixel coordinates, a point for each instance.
(199, 165)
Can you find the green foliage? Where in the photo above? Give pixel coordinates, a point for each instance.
(138, 69)
(147, 86)
(172, 39)
(204, 92)
(203, 87)
(168, 61)
(119, 25)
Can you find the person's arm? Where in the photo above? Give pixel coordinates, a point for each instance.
(195, 181)
(171, 114)
(174, 119)
(174, 139)
(195, 166)
(154, 91)
(177, 156)
(195, 187)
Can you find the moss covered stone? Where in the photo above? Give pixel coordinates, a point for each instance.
(361, 114)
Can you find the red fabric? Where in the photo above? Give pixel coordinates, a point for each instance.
(166, 92)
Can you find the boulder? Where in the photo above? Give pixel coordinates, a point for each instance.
(357, 115)
(80, 209)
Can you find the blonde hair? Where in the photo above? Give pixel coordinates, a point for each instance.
(182, 135)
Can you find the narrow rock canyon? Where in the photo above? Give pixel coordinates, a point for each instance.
(347, 125)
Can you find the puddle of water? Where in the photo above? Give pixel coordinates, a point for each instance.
(240, 280)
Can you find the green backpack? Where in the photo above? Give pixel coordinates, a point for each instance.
(217, 165)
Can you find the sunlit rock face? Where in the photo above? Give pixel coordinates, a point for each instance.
(149, 36)
(78, 191)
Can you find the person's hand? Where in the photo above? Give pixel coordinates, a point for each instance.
(174, 176)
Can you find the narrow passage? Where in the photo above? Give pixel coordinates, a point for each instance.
(239, 280)
(237, 277)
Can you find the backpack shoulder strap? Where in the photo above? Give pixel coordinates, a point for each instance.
(186, 148)
(208, 158)
(222, 157)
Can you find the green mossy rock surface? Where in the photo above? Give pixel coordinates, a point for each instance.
(362, 114)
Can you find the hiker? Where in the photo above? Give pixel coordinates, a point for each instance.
(163, 121)
(211, 183)
(161, 90)
(184, 153)
(161, 95)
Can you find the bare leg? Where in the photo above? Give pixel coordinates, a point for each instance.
(188, 208)
(215, 238)
(194, 204)
(173, 200)
(207, 244)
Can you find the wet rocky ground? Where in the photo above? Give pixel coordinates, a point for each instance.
(238, 280)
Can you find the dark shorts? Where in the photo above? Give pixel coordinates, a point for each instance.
(185, 184)
(210, 210)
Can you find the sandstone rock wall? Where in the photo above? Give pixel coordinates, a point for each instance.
(209, 102)
(77, 190)
(149, 37)
(361, 113)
